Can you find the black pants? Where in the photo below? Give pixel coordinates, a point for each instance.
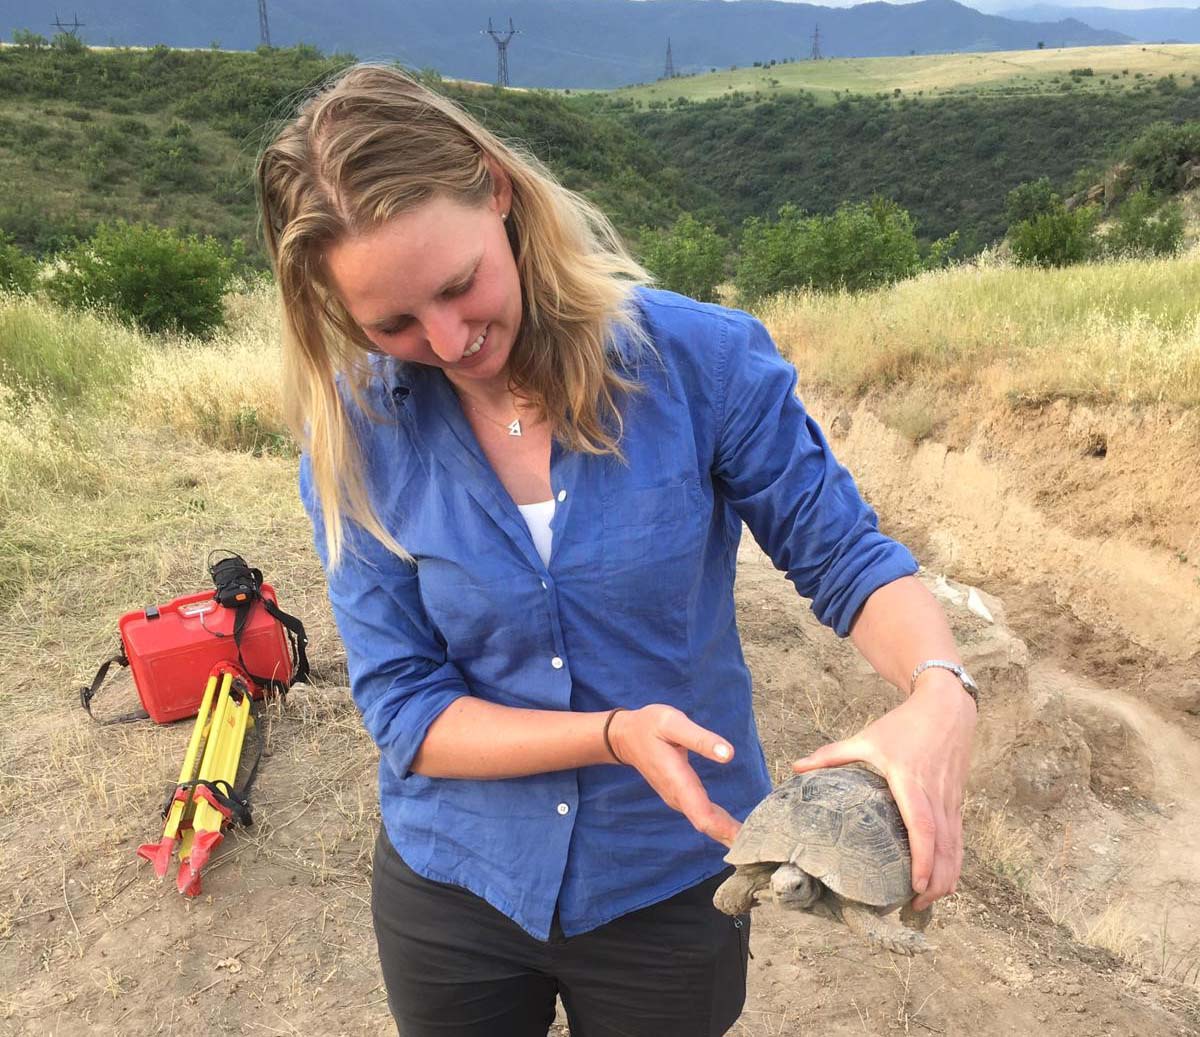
(454, 966)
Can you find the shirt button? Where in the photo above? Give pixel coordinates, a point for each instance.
(543, 585)
(562, 495)
(563, 808)
(557, 663)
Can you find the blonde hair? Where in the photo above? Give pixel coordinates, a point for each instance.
(375, 143)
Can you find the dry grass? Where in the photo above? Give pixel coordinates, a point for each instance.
(1021, 71)
(1123, 332)
(1000, 842)
(224, 392)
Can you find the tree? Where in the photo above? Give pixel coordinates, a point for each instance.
(689, 258)
(861, 246)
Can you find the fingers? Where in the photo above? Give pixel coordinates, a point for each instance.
(684, 732)
(835, 754)
(681, 789)
(920, 819)
(947, 856)
(935, 841)
(663, 761)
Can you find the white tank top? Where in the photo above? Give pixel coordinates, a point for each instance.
(537, 517)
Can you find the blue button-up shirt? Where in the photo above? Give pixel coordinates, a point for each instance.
(635, 607)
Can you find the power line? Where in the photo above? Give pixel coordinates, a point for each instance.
(669, 71)
(501, 50)
(816, 44)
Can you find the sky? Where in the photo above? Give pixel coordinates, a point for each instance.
(993, 6)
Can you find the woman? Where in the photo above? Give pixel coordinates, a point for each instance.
(527, 475)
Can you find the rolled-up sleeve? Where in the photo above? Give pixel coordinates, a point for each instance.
(400, 678)
(777, 471)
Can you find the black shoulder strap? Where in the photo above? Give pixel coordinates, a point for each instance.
(88, 692)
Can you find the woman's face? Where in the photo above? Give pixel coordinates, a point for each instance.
(436, 286)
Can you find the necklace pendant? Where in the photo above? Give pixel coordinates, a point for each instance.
(514, 429)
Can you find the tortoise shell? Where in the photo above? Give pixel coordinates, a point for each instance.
(840, 825)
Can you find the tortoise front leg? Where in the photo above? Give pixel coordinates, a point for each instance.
(918, 920)
(736, 895)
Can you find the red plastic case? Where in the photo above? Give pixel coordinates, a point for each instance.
(170, 654)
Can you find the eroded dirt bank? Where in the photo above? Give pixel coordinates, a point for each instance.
(1079, 909)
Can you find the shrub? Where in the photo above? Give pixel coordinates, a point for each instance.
(1031, 199)
(689, 258)
(29, 40)
(173, 160)
(17, 270)
(1056, 238)
(861, 246)
(68, 43)
(148, 276)
(1146, 226)
(1159, 157)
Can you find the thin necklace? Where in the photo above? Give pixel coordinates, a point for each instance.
(513, 427)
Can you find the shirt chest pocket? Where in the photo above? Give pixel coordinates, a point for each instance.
(651, 555)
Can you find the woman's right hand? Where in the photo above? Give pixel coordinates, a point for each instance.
(656, 740)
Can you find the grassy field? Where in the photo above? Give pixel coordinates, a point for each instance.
(77, 433)
(940, 75)
(1122, 332)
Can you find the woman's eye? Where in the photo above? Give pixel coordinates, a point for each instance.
(394, 329)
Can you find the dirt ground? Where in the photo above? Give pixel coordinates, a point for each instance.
(1079, 908)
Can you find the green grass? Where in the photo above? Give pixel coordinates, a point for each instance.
(998, 72)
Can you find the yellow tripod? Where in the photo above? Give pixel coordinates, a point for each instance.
(204, 799)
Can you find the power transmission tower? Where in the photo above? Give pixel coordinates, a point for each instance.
(816, 47)
(669, 71)
(501, 50)
(264, 30)
(70, 30)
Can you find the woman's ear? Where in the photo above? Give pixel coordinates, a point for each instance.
(501, 189)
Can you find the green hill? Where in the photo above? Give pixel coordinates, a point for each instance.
(949, 161)
(170, 136)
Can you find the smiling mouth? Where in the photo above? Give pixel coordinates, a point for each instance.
(477, 345)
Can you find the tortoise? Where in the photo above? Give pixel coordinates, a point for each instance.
(831, 842)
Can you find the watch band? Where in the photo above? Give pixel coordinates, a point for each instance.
(965, 679)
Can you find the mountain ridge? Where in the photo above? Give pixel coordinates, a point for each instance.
(578, 44)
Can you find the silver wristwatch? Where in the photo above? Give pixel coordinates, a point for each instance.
(967, 681)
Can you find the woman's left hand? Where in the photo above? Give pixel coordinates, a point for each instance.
(923, 748)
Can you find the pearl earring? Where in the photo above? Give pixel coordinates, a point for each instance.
(504, 216)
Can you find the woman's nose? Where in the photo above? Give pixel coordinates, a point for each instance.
(447, 333)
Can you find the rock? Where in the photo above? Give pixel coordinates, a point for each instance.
(839, 428)
(1116, 180)
(1049, 756)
